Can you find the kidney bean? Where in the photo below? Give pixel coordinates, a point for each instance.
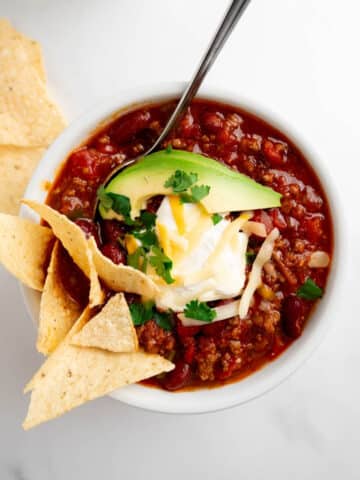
(129, 125)
(293, 316)
(213, 121)
(114, 251)
(263, 217)
(178, 377)
(90, 228)
(112, 230)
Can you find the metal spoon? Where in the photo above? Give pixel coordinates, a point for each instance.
(232, 16)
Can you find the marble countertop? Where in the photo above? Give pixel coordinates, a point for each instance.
(298, 57)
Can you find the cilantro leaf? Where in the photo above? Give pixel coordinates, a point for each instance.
(180, 181)
(198, 192)
(105, 200)
(137, 259)
(250, 257)
(169, 148)
(148, 238)
(148, 219)
(163, 319)
(216, 218)
(309, 290)
(199, 311)
(141, 312)
(161, 263)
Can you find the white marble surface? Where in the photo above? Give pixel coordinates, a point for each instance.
(299, 57)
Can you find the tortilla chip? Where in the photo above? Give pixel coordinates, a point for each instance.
(74, 375)
(24, 249)
(78, 325)
(121, 278)
(28, 117)
(112, 329)
(16, 167)
(32, 49)
(58, 311)
(74, 241)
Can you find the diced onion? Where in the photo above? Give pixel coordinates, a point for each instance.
(319, 259)
(255, 228)
(254, 281)
(223, 312)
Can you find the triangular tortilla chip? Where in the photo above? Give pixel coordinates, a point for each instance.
(74, 375)
(24, 249)
(28, 117)
(74, 241)
(121, 278)
(58, 311)
(16, 167)
(112, 329)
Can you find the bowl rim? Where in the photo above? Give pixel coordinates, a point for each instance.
(273, 373)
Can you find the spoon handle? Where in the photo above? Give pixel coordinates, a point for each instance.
(232, 16)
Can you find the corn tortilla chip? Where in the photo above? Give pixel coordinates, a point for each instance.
(28, 117)
(58, 311)
(112, 329)
(74, 375)
(74, 241)
(24, 249)
(16, 167)
(121, 278)
(78, 325)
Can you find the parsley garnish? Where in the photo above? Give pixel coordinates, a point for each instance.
(199, 311)
(161, 263)
(309, 290)
(216, 218)
(143, 312)
(181, 181)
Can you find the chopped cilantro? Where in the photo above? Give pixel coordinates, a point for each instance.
(163, 319)
(199, 311)
(250, 257)
(169, 148)
(180, 181)
(105, 200)
(216, 218)
(161, 263)
(198, 192)
(141, 312)
(138, 259)
(148, 238)
(148, 219)
(309, 290)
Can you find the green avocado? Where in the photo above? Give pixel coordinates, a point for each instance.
(230, 191)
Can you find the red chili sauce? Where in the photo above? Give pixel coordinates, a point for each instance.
(231, 349)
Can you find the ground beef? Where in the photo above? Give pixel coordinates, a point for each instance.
(155, 339)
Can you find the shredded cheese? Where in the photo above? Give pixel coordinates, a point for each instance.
(131, 244)
(254, 281)
(255, 228)
(177, 209)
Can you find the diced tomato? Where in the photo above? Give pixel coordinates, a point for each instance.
(274, 153)
(186, 331)
(313, 227)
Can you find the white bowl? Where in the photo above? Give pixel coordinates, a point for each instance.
(202, 400)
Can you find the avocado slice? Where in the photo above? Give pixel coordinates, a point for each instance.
(229, 190)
